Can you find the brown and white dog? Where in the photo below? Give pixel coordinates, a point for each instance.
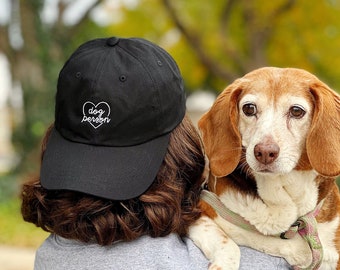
(272, 139)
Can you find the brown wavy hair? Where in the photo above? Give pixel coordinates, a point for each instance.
(168, 206)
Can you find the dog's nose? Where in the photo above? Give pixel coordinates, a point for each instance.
(266, 153)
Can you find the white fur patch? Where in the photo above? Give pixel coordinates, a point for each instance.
(327, 233)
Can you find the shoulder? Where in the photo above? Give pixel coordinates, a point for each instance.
(256, 260)
(170, 252)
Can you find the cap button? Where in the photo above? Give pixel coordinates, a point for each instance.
(112, 41)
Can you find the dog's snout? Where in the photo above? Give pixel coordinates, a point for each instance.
(266, 153)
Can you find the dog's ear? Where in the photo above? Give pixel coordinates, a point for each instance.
(323, 141)
(220, 135)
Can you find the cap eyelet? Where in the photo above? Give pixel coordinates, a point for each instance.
(159, 62)
(122, 78)
(78, 74)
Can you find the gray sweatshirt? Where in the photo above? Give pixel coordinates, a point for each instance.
(145, 253)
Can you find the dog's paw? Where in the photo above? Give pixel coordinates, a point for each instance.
(226, 259)
(214, 266)
(222, 251)
(223, 265)
(297, 252)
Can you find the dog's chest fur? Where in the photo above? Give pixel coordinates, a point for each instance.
(277, 202)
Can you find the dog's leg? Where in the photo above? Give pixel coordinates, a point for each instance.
(327, 232)
(221, 250)
(296, 250)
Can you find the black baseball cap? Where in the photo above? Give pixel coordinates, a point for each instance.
(117, 101)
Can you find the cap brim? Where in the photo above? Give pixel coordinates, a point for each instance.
(117, 173)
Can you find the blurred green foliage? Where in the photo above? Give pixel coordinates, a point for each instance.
(16, 232)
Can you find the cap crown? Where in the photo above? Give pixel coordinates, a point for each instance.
(118, 92)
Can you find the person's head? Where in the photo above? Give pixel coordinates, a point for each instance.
(121, 159)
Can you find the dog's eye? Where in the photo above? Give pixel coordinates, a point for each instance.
(249, 109)
(296, 112)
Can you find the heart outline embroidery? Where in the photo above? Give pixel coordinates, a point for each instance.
(96, 114)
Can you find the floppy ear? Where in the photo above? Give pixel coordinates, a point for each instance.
(323, 141)
(220, 135)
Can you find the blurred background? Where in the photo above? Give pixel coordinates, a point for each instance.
(213, 42)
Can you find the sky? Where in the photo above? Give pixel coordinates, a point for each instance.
(75, 10)
(5, 82)
(49, 14)
(4, 11)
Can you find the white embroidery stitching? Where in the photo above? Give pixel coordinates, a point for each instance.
(96, 115)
